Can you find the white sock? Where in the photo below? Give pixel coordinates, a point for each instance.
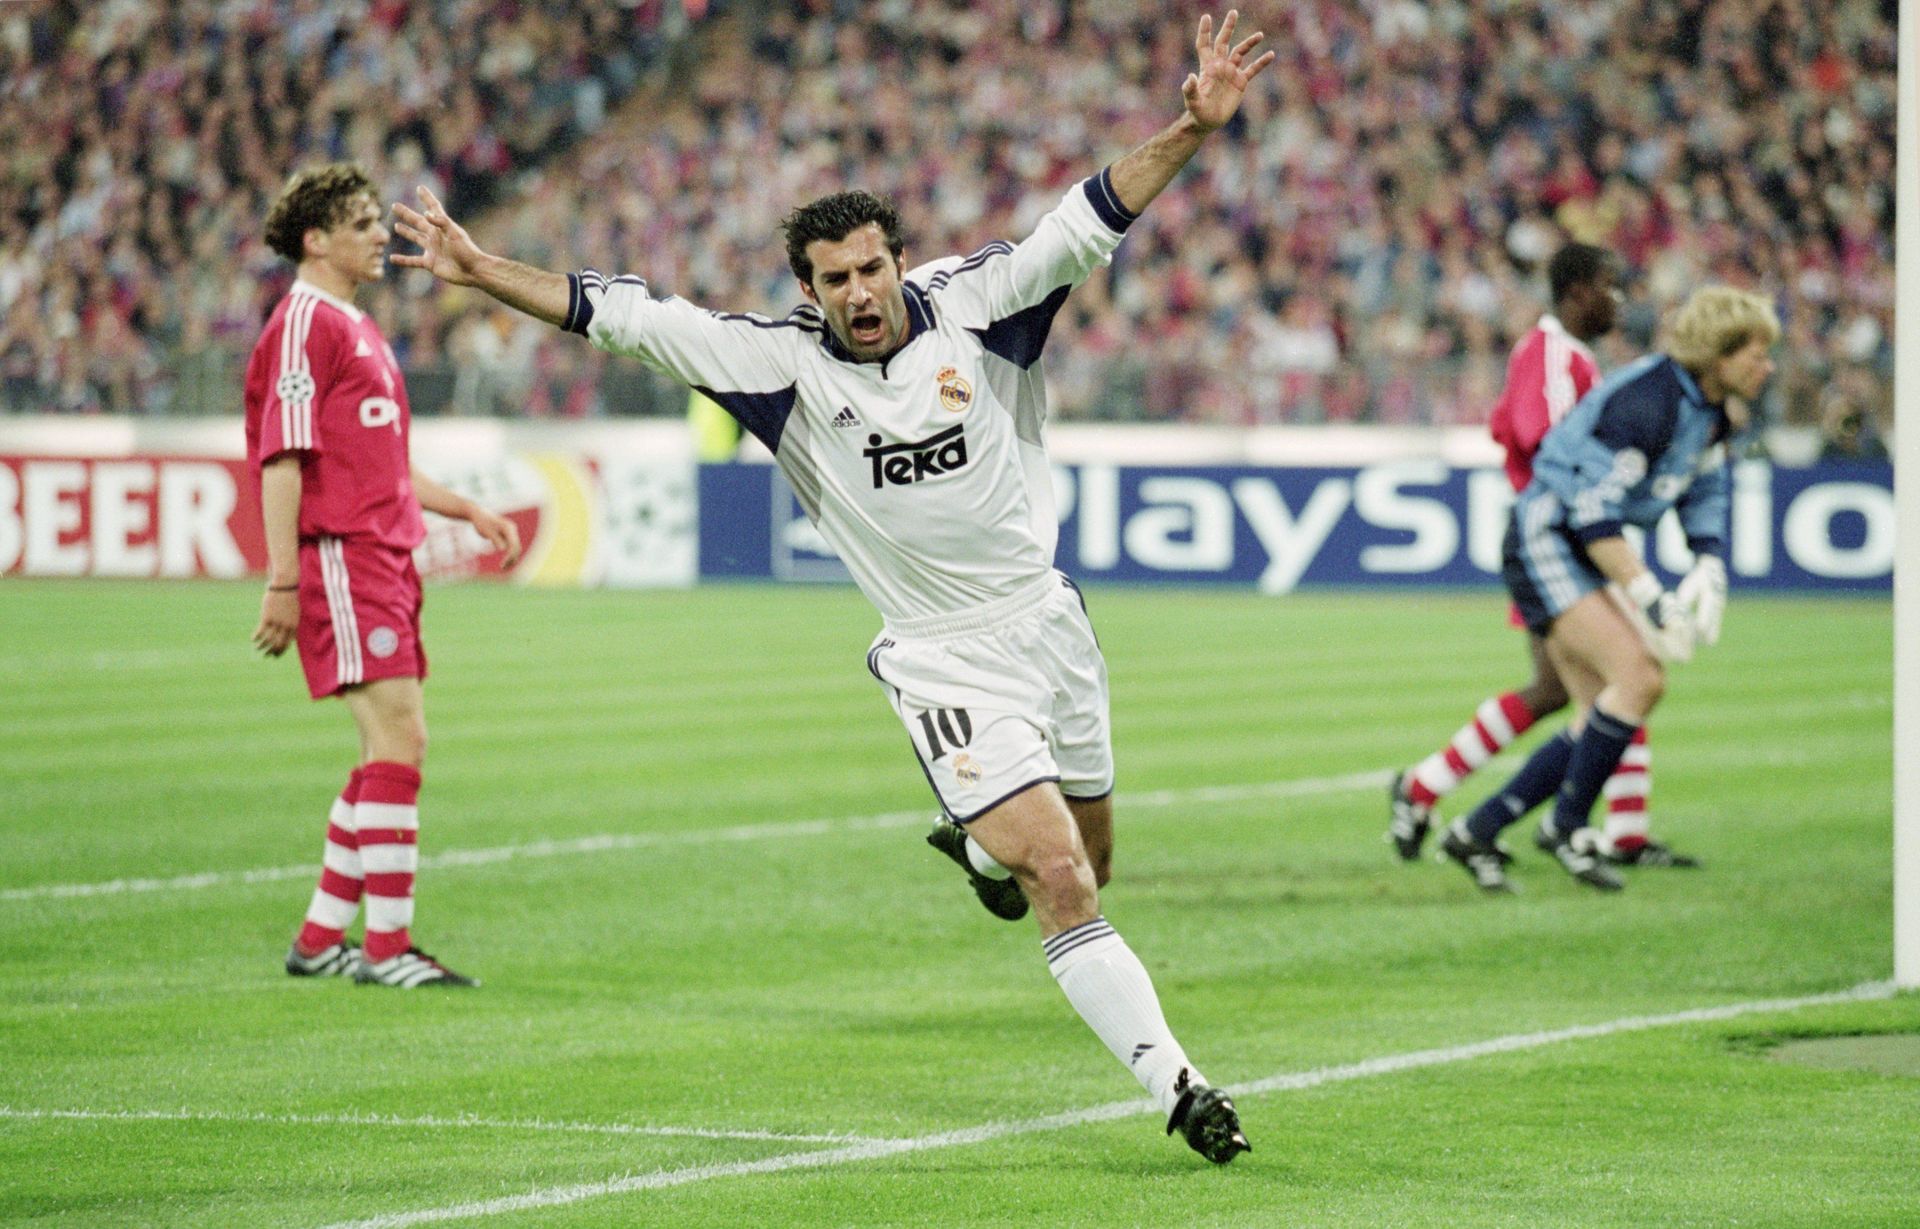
(983, 862)
(1109, 987)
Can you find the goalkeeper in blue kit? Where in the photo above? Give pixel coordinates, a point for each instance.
(1652, 437)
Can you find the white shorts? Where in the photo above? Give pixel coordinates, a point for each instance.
(1000, 699)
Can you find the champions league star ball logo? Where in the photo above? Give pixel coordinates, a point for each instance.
(294, 387)
(955, 393)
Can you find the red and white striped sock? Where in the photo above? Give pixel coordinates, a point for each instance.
(1626, 792)
(1497, 722)
(337, 898)
(389, 820)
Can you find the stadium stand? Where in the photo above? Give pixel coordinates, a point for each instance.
(1369, 258)
(146, 139)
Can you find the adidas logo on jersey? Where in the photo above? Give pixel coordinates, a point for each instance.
(846, 417)
(905, 464)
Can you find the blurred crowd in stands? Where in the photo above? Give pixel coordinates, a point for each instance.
(1362, 244)
(146, 139)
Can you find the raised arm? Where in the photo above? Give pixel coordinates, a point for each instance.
(993, 287)
(1212, 95)
(450, 254)
(729, 357)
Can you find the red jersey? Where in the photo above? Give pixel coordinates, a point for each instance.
(1547, 374)
(323, 383)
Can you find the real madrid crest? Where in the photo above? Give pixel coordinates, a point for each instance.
(955, 393)
(966, 769)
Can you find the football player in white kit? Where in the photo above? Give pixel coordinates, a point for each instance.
(906, 409)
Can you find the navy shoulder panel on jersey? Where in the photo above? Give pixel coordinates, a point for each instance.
(1641, 414)
(1020, 337)
(764, 414)
(919, 310)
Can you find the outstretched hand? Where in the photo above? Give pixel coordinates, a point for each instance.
(1213, 93)
(446, 250)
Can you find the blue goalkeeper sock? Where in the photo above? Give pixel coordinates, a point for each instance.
(1531, 786)
(1595, 756)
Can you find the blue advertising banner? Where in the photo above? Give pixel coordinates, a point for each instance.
(1406, 523)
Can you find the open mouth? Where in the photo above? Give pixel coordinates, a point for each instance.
(866, 328)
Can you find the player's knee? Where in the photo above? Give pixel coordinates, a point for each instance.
(1644, 684)
(1544, 696)
(1065, 879)
(404, 741)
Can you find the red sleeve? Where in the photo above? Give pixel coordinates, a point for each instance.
(298, 357)
(1544, 381)
(1518, 420)
(1586, 373)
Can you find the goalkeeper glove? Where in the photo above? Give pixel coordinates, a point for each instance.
(1658, 616)
(1704, 592)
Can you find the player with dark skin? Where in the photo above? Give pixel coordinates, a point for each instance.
(1590, 310)
(1586, 309)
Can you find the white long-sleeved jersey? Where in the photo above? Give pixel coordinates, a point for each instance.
(926, 473)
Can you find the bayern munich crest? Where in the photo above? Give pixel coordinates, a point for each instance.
(383, 641)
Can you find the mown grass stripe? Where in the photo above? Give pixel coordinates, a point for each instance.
(431, 1122)
(1285, 1082)
(616, 841)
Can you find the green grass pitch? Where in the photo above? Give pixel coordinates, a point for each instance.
(761, 961)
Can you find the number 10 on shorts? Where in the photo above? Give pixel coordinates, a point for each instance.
(945, 728)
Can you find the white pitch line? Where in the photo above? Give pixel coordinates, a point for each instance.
(608, 842)
(119, 659)
(1290, 1082)
(457, 1122)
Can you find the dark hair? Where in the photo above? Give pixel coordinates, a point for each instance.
(833, 218)
(1575, 265)
(316, 198)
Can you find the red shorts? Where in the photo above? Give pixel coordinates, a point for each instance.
(359, 615)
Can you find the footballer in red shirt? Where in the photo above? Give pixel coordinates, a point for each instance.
(1550, 369)
(327, 424)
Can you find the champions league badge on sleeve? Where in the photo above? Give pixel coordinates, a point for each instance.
(294, 387)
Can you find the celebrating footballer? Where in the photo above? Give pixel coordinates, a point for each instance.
(905, 406)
